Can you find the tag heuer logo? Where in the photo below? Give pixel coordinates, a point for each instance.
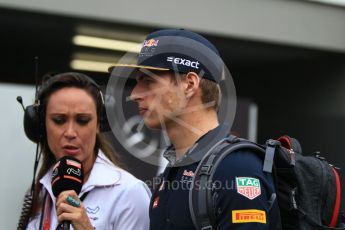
(248, 187)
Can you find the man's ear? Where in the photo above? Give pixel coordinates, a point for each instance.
(192, 81)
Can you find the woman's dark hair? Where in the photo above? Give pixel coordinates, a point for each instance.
(51, 85)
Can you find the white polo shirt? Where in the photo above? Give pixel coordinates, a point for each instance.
(116, 199)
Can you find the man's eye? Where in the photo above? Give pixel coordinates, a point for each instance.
(59, 120)
(145, 79)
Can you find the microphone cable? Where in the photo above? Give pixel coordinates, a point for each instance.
(29, 195)
(28, 198)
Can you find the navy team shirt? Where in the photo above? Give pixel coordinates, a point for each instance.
(243, 190)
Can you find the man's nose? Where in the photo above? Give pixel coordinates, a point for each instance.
(136, 94)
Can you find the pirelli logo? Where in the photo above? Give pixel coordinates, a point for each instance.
(248, 216)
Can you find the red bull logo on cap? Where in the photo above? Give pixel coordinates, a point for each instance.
(150, 43)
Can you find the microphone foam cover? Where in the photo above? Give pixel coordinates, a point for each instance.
(67, 175)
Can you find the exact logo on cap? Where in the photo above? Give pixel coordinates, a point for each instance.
(183, 61)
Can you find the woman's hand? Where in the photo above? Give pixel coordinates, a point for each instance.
(72, 210)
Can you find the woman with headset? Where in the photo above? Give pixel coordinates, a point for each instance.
(69, 117)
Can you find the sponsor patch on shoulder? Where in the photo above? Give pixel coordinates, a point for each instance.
(249, 216)
(248, 187)
(155, 202)
(188, 173)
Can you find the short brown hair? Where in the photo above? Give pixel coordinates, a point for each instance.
(210, 90)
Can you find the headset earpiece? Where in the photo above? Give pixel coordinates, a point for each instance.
(32, 126)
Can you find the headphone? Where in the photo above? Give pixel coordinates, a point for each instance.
(33, 114)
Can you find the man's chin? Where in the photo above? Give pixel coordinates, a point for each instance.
(152, 125)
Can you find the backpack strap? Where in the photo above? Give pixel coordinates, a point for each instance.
(200, 210)
(336, 208)
(201, 203)
(271, 146)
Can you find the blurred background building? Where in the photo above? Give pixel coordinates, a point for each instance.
(287, 58)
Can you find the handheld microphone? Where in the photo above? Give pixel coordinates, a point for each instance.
(67, 175)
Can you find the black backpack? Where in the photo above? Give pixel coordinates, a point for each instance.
(308, 187)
